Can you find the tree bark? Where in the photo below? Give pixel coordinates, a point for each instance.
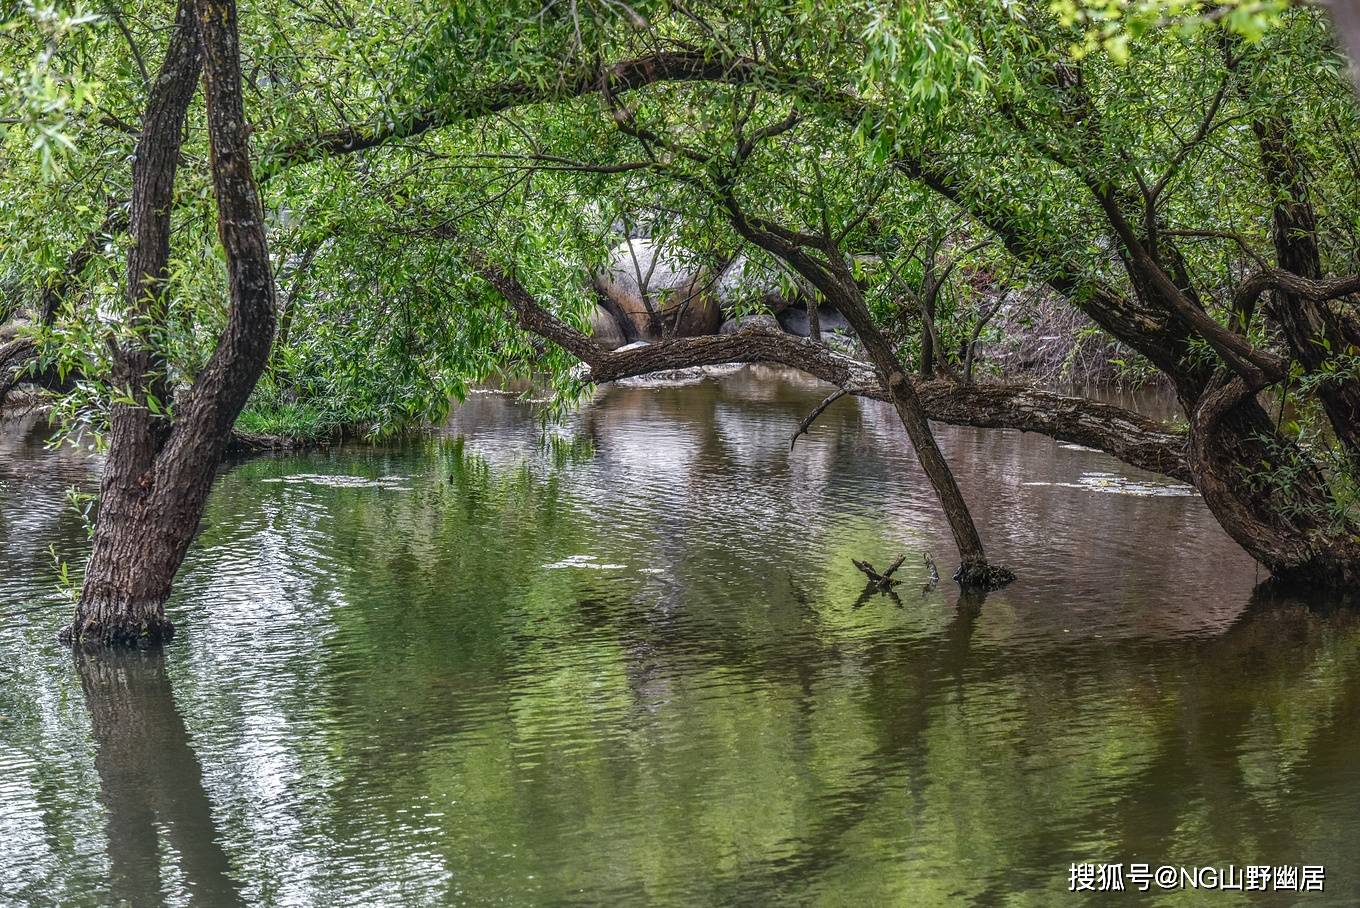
(974, 571)
(1156, 328)
(128, 576)
(159, 472)
(1160, 319)
(1314, 332)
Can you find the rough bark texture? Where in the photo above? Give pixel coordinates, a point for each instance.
(1285, 529)
(1132, 437)
(1232, 449)
(158, 475)
(1314, 332)
(128, 576)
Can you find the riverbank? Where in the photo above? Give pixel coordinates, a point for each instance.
(256, 432)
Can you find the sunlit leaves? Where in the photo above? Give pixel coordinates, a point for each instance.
(40, 85)
(1111, 25)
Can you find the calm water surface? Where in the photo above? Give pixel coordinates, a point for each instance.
(630, 665)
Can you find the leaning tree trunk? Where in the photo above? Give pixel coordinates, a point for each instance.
(974, 571)
(834, 279)
(1289, 527)
(159, 473)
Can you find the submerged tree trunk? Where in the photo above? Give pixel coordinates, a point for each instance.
(128, 576)
(831, 275)
(159, 472)
(974, 571)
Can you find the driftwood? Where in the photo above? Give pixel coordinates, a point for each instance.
(880, 583)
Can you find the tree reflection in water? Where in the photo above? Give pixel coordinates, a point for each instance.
(151, 784)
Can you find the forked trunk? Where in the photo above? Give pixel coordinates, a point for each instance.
(158, 475)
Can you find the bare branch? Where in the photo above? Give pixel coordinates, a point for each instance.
(812, 417)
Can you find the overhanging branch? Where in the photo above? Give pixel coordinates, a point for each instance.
(1133, 438)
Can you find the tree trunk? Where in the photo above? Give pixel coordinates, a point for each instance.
(1288, 528)
(1314, 332)
(930, 291)
(159, 473)
(974, 570)
(814, 319)
(128, 577)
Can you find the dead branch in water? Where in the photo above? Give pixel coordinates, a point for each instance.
(812, 417)
(880, 582)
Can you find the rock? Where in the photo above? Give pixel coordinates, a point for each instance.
(761, 320)
(794, 320)
(844, 343)
(675, 286)
(745, 283)
(605, 330)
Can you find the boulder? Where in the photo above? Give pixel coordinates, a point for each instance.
(605, 329)
(745, 284)
(675, 285)
(762, 320)
(794, 320)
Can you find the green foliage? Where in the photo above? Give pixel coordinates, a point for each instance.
(43, 82)
(1018, 108)
(1112, 25)
(301, 421)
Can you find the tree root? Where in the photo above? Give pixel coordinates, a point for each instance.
(979, 575)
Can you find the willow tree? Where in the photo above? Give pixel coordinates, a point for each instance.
(1164, 191)
(163, 447)
(1162, 185)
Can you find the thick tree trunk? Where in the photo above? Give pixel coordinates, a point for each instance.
(158, 475)
(128, 576)
(1287, 527)
(1144, 323)
(1314, 332)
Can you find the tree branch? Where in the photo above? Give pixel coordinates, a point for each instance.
(812, 417)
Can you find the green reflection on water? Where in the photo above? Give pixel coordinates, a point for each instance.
(465, 679)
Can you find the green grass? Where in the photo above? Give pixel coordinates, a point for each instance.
(299, 421)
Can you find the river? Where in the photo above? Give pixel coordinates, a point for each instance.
(629, 663)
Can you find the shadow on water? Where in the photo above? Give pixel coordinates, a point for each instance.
(151, 784)
(1283, 639)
